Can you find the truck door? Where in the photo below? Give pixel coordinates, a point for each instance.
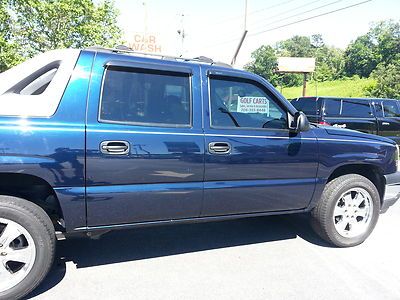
(388, 116)
(145, 144)
(350, 113)
(253, 163)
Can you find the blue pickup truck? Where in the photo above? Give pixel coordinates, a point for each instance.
(100, 139)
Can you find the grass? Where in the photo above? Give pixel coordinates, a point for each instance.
(353, 87)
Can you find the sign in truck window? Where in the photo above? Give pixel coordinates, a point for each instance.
(253, 105)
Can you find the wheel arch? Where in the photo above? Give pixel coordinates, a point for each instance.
(36, 190)
(371, 172)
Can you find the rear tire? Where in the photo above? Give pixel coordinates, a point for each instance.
(27, 241)
(347, 211)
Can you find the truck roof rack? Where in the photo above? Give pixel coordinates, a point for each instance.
(127, 50)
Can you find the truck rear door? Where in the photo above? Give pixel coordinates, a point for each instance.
(145, 144)
(350, 113)
(388, 116)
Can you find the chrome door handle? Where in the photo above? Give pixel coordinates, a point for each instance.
(219, 148)
(114, 147)
(385, 123)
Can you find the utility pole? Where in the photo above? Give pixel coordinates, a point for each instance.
(238, 48)
(245, 15)
(145, 17)
(243, 35)
(182, 34)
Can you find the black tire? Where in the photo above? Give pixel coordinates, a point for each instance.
(34, 220)
(322, 215)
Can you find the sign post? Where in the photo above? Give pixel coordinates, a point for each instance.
(304, 84)
(297, 65)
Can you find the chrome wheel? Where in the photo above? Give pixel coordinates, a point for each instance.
(353, 213)
(17, 254)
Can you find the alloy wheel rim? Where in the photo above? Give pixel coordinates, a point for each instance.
(353, 212)
(17, 254)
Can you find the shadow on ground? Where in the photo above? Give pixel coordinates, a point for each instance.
(150, 242)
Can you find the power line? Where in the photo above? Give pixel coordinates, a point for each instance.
(292, 23)
(253, 12)
(224, 42)
(272, 6)
(231, 39)
(235, 37)
(301, 13)
(309, 18)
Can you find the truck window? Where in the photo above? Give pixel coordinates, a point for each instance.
(390, 109)
(356, 108)
(309, 106)
(237, 103)
(145, 97)
(350, 108)
(332, 107)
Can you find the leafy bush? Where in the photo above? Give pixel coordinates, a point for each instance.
(387, 81)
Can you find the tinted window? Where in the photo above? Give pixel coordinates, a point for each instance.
(352, 108)
(307, 105)
(332, 107)
(145, 97)
(390, 109)
(356, 108)
(243, 104)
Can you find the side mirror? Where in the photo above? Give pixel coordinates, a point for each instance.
(298, 122)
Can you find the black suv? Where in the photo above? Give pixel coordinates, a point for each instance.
(376, 116)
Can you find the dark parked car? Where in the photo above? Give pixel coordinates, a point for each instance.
(375, 116)
(103, 139)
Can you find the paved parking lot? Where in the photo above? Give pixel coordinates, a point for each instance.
(264, 258)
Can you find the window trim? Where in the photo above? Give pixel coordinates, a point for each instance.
(149, 66)
(219, 75)
(187, 72)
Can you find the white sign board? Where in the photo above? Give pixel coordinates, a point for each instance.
(253, 105)
(296, 64)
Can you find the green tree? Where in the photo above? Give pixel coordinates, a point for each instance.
(386, 35)
(50, 24)
(8, 52)
(317, 41)
(361, 57)
(387, 81)
(329, 63)
(380, 45)
(297, 46)
(264, 63)
(329, 60)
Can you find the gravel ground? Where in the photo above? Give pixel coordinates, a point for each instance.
(275, 257)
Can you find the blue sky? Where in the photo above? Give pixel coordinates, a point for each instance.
(213, 27)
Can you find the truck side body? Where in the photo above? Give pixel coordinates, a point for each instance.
(101, 139)
(169, 173)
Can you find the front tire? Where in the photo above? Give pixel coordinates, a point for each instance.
(347, 211)
(27, 246)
